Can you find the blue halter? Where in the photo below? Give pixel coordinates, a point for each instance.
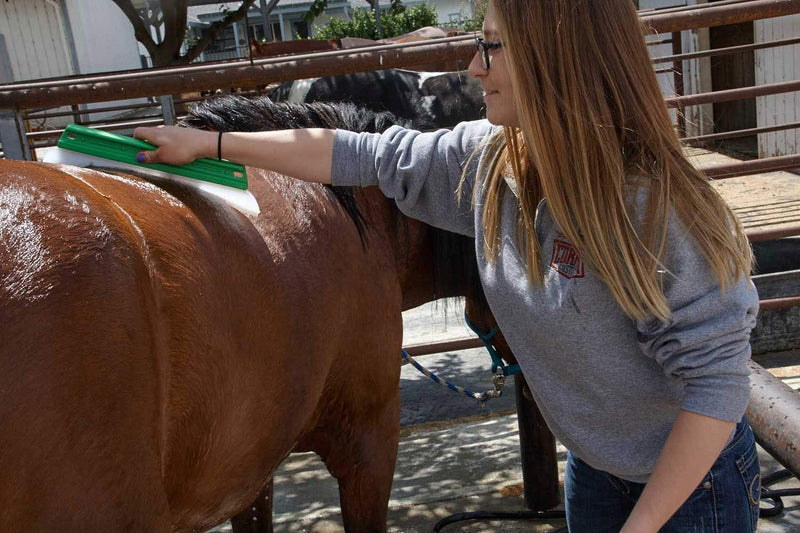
(497, 361)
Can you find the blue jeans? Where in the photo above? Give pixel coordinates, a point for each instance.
(725, 502)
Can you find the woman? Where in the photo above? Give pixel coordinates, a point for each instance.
(617, 274)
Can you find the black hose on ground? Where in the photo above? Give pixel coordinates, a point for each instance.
(775, 495)
(506, 515)
(767, 495)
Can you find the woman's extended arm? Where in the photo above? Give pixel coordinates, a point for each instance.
(693, 445)
(304, 154)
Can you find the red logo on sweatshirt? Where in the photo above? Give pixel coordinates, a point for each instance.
(566, 260)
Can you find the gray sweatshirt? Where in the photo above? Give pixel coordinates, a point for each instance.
(608, 386)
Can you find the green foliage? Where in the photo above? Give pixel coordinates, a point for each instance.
(396, 20)
(190, 37)
(316, 9)
(475, 23)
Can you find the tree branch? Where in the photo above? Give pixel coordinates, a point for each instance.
(208, 35)
(174, 28)
(140, 30)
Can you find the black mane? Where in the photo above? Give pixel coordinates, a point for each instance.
(237, 113)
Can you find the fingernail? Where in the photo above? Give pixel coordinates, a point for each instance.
(140, 158)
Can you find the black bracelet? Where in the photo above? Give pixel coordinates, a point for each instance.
(219, 147)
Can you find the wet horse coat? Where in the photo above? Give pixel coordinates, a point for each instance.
(161, 353)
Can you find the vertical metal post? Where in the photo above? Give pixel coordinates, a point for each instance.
(6, 73)
(258, 517)
(235, 27)
(167, 109)
(77, 118)
(677, 74)
(378, 17)
(13, 135)
(265, 21)
(538, 450)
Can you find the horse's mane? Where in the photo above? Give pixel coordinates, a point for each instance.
(237, 113)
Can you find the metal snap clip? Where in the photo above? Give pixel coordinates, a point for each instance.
(499, 381)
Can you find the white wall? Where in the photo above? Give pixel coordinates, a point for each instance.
(774, 65)
(104, 38)
(104, 42)
(35, 39)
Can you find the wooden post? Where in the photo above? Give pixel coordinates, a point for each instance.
(538, 450)
(257, 518)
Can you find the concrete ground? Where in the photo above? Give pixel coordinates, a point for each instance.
(468, 466)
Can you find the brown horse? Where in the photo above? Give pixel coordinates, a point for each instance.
(161, 354)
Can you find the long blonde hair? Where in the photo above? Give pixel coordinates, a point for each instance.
(593, 122)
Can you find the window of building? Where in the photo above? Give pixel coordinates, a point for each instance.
(300, 29)
(277, 32)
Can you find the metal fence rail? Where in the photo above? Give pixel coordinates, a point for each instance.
(259, 72)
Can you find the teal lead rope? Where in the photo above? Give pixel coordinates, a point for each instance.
(497, 361)
(482, 397)
(499, 369)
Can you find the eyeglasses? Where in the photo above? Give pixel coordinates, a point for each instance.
(483, 49)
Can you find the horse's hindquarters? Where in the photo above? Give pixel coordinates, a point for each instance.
(79, 378)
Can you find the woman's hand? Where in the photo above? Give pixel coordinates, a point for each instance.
(305, 154)
(176, 145)
(693, 445)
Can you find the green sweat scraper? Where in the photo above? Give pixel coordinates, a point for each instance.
(85, 147)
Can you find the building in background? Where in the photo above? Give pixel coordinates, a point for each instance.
(42, 39)
(55, 38)
(45, 39)
(286, 23)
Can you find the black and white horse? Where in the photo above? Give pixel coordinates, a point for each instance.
(429, 100)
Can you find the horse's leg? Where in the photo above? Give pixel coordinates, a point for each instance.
(257, 518)
(363, 463)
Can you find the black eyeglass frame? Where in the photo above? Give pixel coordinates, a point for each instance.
(484, 47)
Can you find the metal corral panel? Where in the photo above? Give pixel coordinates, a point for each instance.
(775, 65)
(35, 39)
(696, 72)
